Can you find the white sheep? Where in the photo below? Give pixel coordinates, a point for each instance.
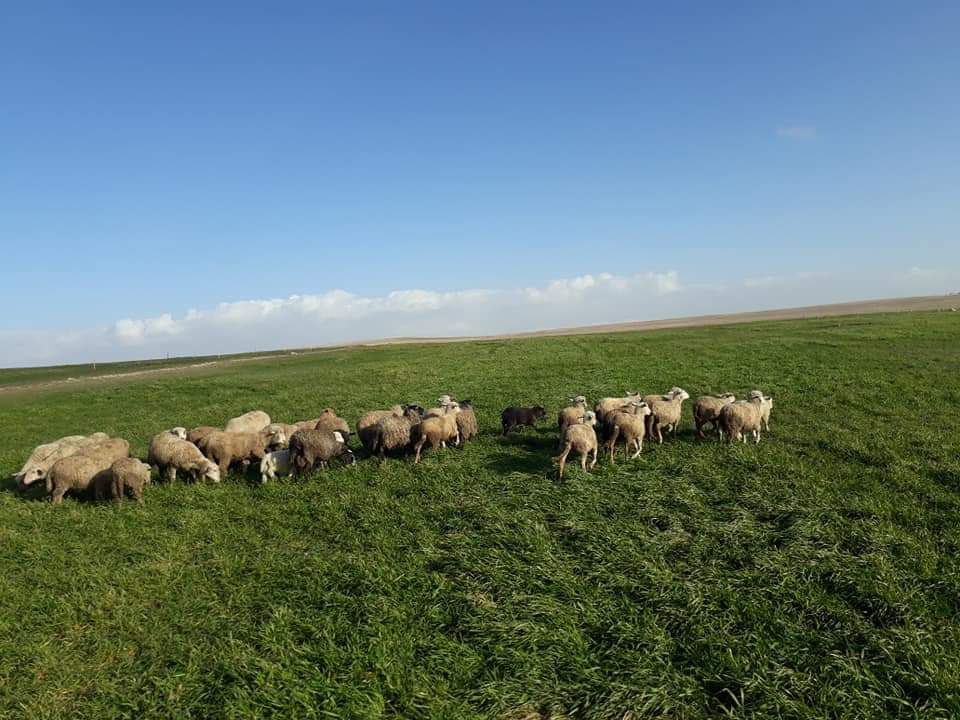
(275, 464)
(253, 421)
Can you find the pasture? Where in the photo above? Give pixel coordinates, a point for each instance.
(816, 575)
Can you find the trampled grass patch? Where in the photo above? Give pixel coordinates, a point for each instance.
(816, 575)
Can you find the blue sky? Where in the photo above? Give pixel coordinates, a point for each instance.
(717, 156)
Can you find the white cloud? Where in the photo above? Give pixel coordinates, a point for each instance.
(339, 316)
(797, 132)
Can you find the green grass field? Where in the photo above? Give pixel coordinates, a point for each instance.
(814, 575)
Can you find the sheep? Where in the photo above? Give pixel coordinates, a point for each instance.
(743, 417)
(78, 473)
(706, 409)
(274, 464)
(197, 434)
(312, 448)
(331, 422)
(520, 417)
(665, 413)
(579, 436)
(226, 448)
(171, 454)
(630, 424)
(571, 415)
(467, 424)
(253, 421)
(44, 456)
(438, 431)
(444, 402)
(609, 405)
(285, 430)
(394, 433)
(128, 474)
(366, 425)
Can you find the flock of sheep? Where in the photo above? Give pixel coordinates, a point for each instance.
(100, 466)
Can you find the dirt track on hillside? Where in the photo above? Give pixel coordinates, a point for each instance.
(938, 302)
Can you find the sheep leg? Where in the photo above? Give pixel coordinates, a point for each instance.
(612, 443)
(756, 436)
(583, 460)
(420, 445)
(56, 496)
(593, 464)
(639, 445)
(563, 458)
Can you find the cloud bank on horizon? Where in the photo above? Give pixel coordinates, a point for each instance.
(338, 316)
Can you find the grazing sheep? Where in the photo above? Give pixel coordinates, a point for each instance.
(665, 413)
(520, 417)
(275, 464)
(437, 431)
(467, 424)
(331, 422)
(579, 436)
(44, 456)
(169, 454)
(197, 434)
(706, 409)
(226, 448)
(284, 431)
(253, 421)
(78, 473)
(744, 417)
(315, 448)
(128, 475)
(394, 433)
(630, 424)
(571, 415)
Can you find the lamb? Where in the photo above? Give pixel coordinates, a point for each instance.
(171, 454)
(520, 417)
(313, 448)
(706, 409)
(571, 415)
(253, 421)
(630, 424)
(78, 473)
(579, 436)
(274, 464)
(467, 425)
(226, 448)
(665, 413)
(127, 474)
(394, 433)
(331, 422)
(44, 456)
(744, 416)
(609, 405)
(197, 435)
(438, 431)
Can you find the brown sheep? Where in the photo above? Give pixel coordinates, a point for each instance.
(438, 431)
(367, 424)
(467, 424)
(394, 433)
(331, 422)
(313, 448)
(581, 437)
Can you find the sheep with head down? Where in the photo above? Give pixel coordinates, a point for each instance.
(44, 456)
(437, 431)
(79, 473)
(706, 410)
(171, 454)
